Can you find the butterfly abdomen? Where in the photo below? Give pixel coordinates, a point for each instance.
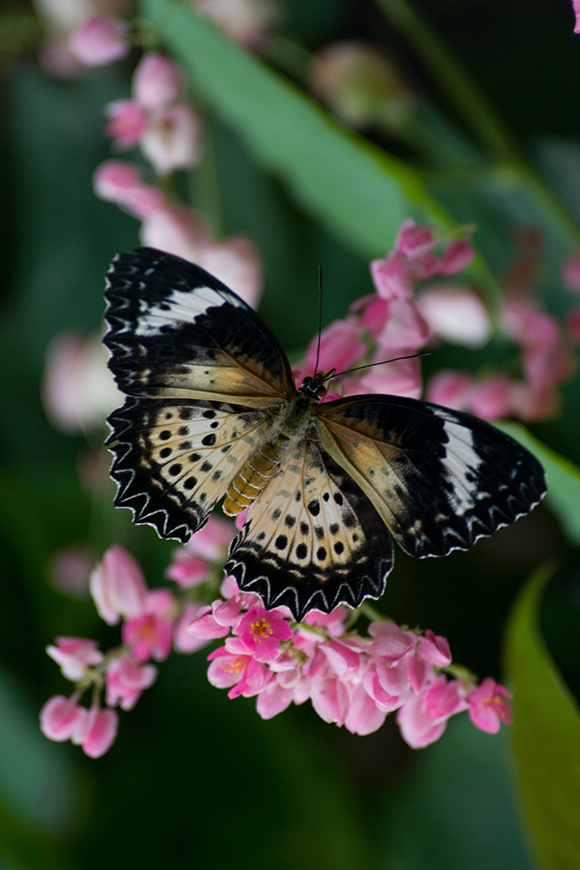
(290, 425)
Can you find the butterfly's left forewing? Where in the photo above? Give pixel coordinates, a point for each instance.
(313, 539)
(440, 479)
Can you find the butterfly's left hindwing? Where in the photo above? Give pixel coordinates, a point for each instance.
(313, 540)
(174, 460)
(440, 479)
(177, 332)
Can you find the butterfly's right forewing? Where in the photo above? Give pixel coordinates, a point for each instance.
(177, 332)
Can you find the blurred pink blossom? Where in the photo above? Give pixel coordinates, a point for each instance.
(99, 40)
(126, 679)
(78, 390)
(121, 182)
(75, 655)
(157, 81)
(576, 9)
(150, 633)
(456, 314)
(118, 586)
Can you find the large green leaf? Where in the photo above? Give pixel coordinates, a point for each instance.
(362, 192)
(563, 478)
(546, 737)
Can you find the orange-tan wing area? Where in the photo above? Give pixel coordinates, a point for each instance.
(440, 479)
(174, 460)
(177, 332)
(312, 539)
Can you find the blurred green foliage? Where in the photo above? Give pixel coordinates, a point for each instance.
(194, 779)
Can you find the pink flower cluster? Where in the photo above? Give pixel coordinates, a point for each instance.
(150, 618)
(389, 323)
(542, 350)
(351, 679)
(167, 131)
(179, 230)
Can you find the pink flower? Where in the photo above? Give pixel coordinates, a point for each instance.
(121, 182)
(63, 719)
(175, 229)
(232, 666)
(150, 633)
(78, 390)
(128, 122)
(99, 41)
(330, 698)
(396, 378)
(183, 640)
(415, 241)
(273, 699)
(457, 255)
(75, 655)
(59, 718)
(341, 345)
(489, 705)
(451, 389)
(157, 81)
(418, 726)
(457, 314)
(97, 731)
(172, 139)
(392, 277)
(118, 586)
(211, 542)
(205, 626)
(576, 8)
(126, 679)
(492, 398)
(434, 648)
(261, 631)
(389, 641)
(363, 715)
(444, 699)
(236, 262)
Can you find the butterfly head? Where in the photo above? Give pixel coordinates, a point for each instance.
(314, 387)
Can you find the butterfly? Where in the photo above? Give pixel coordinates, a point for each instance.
(212, 411)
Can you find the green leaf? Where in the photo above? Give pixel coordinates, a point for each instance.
(563, 478)
(360, 191)
(546, 737)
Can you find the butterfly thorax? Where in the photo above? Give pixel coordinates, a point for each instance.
(289, 424)
(313, 387)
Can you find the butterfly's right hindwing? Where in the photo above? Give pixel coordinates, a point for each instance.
(312, 540)
(174, 460)
(177, 332)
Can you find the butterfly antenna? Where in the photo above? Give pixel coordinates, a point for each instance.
(381, 363)
(319, 315)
